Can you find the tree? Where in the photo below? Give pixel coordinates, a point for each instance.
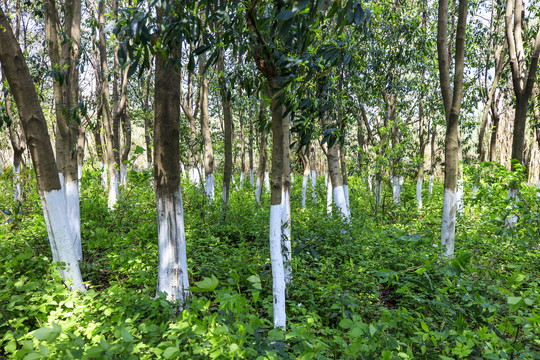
(452, 105)
(37, 138)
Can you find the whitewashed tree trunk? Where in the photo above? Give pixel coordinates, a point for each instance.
(328, 181)
(242, 179)
(286, 234)
(266, 181)
(258, 190)
(172, 268)
(378, 191)
(430, 185)
(419, 182)
(209, 186)
(304, 190)
(79, 175)
(251, 179)
(278, 270)
(538, 188)
(341, 203)
(314, 186)
(74, 216)
(123, 174)
(448, 228)
(396, 189)
(292, 178)
(17, 193)
(114, 191)
(370, 183)
(60, 237)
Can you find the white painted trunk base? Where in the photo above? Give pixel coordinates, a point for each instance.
(123, 174)
(60, 238)
(341, 203)
(292, 178)
(251, 178)
(286, 234)
(512, 220)
(396, 189)
(114, 193)
(370, 183)
(242, 178)
(278, 271)
(378, 192)
(74, 216)
(79, 172)
(209, 186)
(314, 186)
(328, 194)
(460, 201)
(448, 228)
(258, 190)
(172, 266)
(304, 190)
(17, 193)
(419, 182)
(538, 189)
(266, 181)
(430, 185)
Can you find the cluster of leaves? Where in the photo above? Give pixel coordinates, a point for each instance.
(373, 288)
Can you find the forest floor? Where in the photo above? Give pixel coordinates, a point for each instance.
(373, 288)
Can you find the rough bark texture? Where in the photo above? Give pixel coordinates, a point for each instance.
(263, 152)
(205, 131)
(111, 138)
(495, 128)
(38, 141)
(172, 271)
(522, 79)
(452, 106)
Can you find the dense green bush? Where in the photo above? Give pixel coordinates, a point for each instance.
(369, 289)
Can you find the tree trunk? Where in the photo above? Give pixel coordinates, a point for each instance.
(205, 132)
(423, 143)
(250, 151)
(286, 200)
(38, 141)
(110, 133)
(307, 172)
(263, 153)
(495, 127)
(452, 106)
(148, 120)
(243, 172)
(227, 118)
(172, 268)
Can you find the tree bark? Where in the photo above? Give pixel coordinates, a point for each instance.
(263, 152)
(205, 132)
(452, 106)
(227, 118)
(38, 141)
(172, 268)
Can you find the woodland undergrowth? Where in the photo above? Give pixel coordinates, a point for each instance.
(377, 290)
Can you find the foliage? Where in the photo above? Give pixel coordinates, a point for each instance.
(377, 290)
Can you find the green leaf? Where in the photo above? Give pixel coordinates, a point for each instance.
(46, 334)
(346, 323)
(255, 281)
(170, 352)
(126, 335)
(206, 285)
(424, 326)
(285, 14)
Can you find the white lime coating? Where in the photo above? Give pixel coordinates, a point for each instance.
(448, 228)
(258, 190)
(123, 174)
(419, 183)
(103, 174)
(370, 182)
(378, 191)
(286, 233)
(74, 216)
(209, 185)
(328, 181)
(538, 188)
(430, 185)
(251, 179)
(172, 264)
(313, 185)
(304, 190)
(17, 193)
(396, 189)
(79, 175)
(339, 200)
(113, 190)
(278, 271)
(266, 181)
(60, 238)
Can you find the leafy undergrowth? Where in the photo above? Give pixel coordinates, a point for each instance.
(374, 288)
